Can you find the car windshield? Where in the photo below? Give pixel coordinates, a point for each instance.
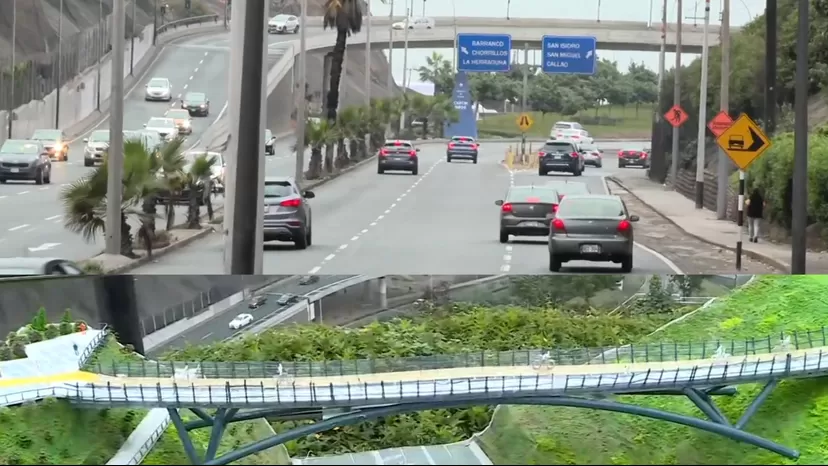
(19, 147)
(530, 194)
(157, 82)
(195, 97)
(563, 125)
(590, 207)
(278, 189)
(160, 123)
(399, 144)
(557, 147)
(178, 114)
(463, 139)
(46, 134)
(280, 18)
(99, 136)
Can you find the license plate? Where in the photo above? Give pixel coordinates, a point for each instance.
(15, 170)
(590, 249)
(557, 157)
(532, 224)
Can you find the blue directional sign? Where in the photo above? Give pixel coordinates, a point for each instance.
(569, 55)
(484, 52)
(466, 124)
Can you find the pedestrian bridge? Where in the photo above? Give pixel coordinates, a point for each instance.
(348, 392)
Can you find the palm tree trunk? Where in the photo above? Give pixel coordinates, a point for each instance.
(126, 238)
(170, 211)
(315, 165)
(148, 207)
(193, 210)
(342, 155)
(354, 150)
(329, 158)
(337, 59)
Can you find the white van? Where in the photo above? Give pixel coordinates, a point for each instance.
(415, 23)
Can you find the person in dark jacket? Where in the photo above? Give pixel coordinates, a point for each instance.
(755, 211)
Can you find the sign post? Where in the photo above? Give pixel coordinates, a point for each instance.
(569, 55)
(524, 122)
(743, 142)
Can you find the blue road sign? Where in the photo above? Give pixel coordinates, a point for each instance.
(466, 125)
(484, 52)
(569, 55)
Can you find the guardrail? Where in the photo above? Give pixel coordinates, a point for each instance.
(149, 444)
(640, 353)
(186, 22)
(93, 345)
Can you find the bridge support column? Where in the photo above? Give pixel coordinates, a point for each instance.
(218, 423)
(383, 289)
(702, 399)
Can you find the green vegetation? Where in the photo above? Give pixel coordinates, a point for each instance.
(453, 329)
(612, 103)
(14, 346)
(796, 414)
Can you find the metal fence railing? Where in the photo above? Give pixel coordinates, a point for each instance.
(93, 346)
(149, 444)
(33, 77)
(634, 353)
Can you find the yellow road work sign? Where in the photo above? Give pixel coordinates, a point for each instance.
(744, 141)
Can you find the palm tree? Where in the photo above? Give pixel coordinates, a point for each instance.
(166, 163)
(317, 136)
(84, 200)
(346, 17)
(439, 72)
(197, 182)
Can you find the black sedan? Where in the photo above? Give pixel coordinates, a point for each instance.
(196, 103)
(462, 147)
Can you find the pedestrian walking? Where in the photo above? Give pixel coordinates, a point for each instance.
(75, 347)
(755, 212)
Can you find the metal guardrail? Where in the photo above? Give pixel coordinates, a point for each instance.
(147, 446)
(93, 346)
(186, 22)
(634, 353)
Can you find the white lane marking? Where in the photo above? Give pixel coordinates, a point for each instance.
(201, 61)
(195, 70)
(44, 188)
(655, 253)
(53, 217)
(185, 86)
(207, 336)
(314, 270)
(379, 217)
(191, 77)
(23, 192)
(507, 259)
(19, 227)
(3, 197)
(44, 247)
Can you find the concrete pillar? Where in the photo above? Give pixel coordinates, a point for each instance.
(383, 289)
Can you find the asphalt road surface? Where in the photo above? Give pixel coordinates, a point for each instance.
(442, 221)
(33, 215)
(217, 329)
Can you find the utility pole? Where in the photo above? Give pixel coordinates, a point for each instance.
(246, 109)
(59, 67)
(132, 40)
(368, 54)
(13, 65)
(700, 147)
(525, 94)
(676, 96)
(770, 66)
(724, 160)
(598, 18)
(408, 12)
(101, 51)
(390, 79)
(115, 153)
(301, 110)
(155, 21)
(799, 196)
(662, 53)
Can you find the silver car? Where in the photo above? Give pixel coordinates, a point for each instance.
(25, 160)
(527, 211)
(30, 266)
(166, 127)
(158, 89)
(96, 146)
(287, 214)
(592, 228)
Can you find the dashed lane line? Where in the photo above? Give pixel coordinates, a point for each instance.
(374, 223)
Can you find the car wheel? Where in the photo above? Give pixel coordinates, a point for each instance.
(554, 263)
(474, 160)
(88, 163)
(504, 237)
(414, 172)
(599, 165)
(48, 178)
(39, 177)
(627, 264)
(3, 181)
(380, 170)
(309, 237)
(448, 158)
(301, 241)
(296, 31)
(542, 173)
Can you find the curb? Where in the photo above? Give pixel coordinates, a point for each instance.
(752, 254)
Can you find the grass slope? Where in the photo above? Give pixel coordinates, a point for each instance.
(796, 414)
(55, 432)
(632, 125)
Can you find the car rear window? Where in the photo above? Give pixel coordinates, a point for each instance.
(557, 147)
(549, 196)
(19, 147)
(590, 207)
(407, 145)
(462, 139)
(278, 189)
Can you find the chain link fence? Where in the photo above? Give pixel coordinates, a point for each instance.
(628, 354)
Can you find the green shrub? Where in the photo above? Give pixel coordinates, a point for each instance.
(35, 336)
(5, 352)
(18, 350)
(39, 321)
(67, 316)
(52, 332)
(67, 328)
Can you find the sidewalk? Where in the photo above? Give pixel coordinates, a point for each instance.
(703, 225)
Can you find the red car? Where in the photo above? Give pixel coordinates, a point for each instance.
(634, 157)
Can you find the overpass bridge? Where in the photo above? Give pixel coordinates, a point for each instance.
(351, 391)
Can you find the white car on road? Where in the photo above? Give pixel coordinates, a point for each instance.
(241, 320)
(166, 127)
(158, 89)
(577, 136)
(282, 24)
(414, 23)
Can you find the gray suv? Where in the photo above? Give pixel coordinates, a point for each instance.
(287, 214)
(25, 160)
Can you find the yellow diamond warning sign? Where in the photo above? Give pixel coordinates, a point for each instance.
(744, 141)
(524, 122)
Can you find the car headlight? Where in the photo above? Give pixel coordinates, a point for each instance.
(186, 124)
(58, 147)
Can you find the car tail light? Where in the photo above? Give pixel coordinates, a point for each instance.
(474, 146)
(541, 154)
(412, 153)
(397, 143)
(574, 154)
(451, 145)
(643, 155)
(383, 152)
(291, 203)
(506, 207)
(533, 199)
(624, 226)
(555, 208)
(558, 224)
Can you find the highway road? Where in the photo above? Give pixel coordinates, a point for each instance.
(442, 221)
(32, 215)
(217, 329)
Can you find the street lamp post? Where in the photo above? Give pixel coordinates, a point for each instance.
(770, 66)
(674, 159)
(408, 13)
(508, 7)
(799, 196)
(390, 79)
(131, 40)
(101, 51)
(301, 109)
(724, 105)
(368, 54)
(59, 67)
(13, 64)
(115, 153)
(700, 147)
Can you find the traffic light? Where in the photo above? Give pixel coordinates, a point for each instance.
(187, 4)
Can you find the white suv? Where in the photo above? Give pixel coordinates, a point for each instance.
(282, 24)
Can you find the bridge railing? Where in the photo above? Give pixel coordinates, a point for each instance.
(187, 22)
(633, 353)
